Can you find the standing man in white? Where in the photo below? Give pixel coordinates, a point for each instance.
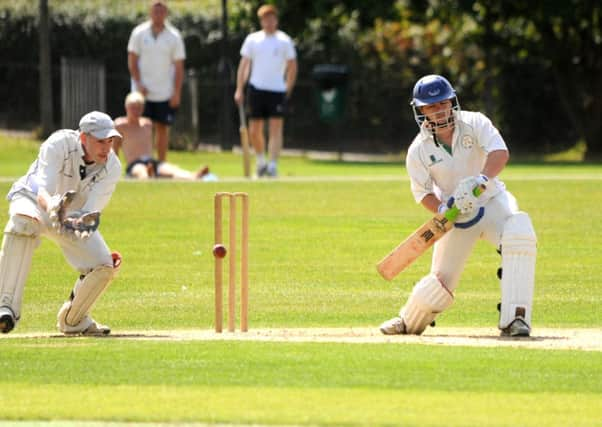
(455, 152)
(156, 57)
(61, 197)
(270, 58)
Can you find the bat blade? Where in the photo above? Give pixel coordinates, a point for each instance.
(414, 246)
(419, 241)
(244, 142)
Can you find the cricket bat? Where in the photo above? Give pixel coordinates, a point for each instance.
(244, 141)
(419, 241)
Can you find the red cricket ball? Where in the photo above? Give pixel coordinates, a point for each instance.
(219, 251)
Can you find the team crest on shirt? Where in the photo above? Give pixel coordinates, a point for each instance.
(467, 141)
(434, 160)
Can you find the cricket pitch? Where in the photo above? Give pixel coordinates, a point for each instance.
(542, 338)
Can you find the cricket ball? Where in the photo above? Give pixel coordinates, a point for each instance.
(219, 251)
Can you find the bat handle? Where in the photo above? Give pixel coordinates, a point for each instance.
(241, 115)
(452, 213)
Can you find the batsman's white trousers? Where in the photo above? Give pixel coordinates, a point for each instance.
(83, 255)
(451, 252)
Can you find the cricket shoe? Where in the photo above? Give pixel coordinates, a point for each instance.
(394, 326)
(97, 330)
(272, 170)
(518, 328)
(262, 170)
(7, 320)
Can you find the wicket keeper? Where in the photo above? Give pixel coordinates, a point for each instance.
(454, 152)
(61, 198)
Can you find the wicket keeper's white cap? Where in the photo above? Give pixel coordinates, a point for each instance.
(99, 125)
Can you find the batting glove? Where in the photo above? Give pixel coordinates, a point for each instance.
(465, 199)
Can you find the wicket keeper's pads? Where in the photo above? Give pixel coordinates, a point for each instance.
(518, 269)
(429, 298)
(20, 240)
(86, 292)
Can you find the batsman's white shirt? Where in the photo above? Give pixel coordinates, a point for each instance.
(156, 56)
(57, 169)
(269, 54)
(433, 170)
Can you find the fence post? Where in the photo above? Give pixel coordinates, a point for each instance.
(193, 89)
(45, 70)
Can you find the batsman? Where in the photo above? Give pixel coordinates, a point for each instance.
(454, 153)
(61, 198)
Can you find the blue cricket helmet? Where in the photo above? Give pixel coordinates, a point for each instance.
(429, 90)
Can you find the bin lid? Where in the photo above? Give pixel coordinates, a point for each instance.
(330, 70)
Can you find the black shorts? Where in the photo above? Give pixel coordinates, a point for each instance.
(265, 103)
(159, 112)
(146, 161)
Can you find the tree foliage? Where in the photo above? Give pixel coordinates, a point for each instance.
(519, 61)
(565, 39)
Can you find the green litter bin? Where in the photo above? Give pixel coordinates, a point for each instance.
(331, 83)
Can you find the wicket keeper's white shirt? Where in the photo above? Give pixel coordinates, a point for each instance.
(156, 56)
(269, 54)
(60, 167)
(433, 170)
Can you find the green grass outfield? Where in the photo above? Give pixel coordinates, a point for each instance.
(315, 237)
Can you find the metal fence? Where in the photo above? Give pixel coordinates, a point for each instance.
(83, 89)
(377, 117)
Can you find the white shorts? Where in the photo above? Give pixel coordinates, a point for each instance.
(83, 255)
(452, 251)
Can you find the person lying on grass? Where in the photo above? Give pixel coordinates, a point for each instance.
(137, 145)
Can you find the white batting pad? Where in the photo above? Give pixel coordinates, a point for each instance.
(429, 298)
(519, 249)
(86, 293)
(20, 241)
(78, 328)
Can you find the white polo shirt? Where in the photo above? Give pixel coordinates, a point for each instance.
(269, 54)
(57, 169)
(433, 170)
(156, 57)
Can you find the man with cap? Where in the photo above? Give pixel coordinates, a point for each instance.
(61, 197)
(156, 55)
(269, 63)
